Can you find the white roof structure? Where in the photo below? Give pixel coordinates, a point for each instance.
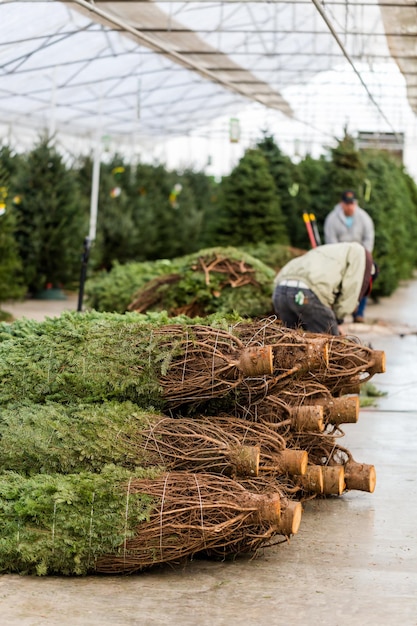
(142, 73)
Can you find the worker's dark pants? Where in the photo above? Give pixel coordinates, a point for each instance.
(360, 311)
(311, 315)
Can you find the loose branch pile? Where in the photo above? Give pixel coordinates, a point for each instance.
(212, 280)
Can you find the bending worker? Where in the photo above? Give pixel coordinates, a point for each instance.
(317, 290)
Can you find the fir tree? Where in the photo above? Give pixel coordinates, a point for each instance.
(346, 171)
(391, 202)
(314, 176)
(11, 280)
(292, 194)
(49, 220)
(206, 197)
(167, 219)
(327, 178)
(250, 210)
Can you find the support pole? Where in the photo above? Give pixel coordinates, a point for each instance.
(84, 263)
(94, 192)
(88, 241)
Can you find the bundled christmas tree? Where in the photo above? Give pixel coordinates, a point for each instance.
(161, 365)
(64, 438)
(119, 522)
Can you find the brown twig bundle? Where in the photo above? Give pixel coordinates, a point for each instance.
(321, 447)
(336, 410)
(221, 444)
(301, 407)
(198, 445)
(276, 457)
(295, 356)
(197, 513)
(345, 360)
(268, 330)
(350, 362)
(209, 363)
(283, 417)
(294, 352)
(207, 276)
(340, 470)
(236, 273)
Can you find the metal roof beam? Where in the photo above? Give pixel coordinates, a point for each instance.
(167, 50)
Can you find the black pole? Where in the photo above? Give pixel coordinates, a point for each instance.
(84, 263)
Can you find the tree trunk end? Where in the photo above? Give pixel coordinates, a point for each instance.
(246, 460)
(360, 476)
(269, 508)
(293, 462)
(333, 480)
(343, 410)
(256, 361)
(378, 363)
(307, 418)
(291, 513)
(312, 481)
(318, 352)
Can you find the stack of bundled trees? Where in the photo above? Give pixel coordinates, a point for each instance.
(128, 440)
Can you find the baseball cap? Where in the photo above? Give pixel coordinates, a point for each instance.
(348, 197)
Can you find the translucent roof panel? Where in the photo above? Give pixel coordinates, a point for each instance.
(155, 70)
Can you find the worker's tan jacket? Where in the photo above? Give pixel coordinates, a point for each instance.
(334, 272)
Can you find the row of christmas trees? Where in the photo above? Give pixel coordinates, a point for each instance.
(45, 201)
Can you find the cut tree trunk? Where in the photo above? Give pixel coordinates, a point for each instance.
(333, 480)
(312, 481)
(360, 476)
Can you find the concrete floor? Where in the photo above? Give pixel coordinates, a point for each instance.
(354, 560)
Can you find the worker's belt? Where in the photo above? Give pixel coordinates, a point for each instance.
(293, 283)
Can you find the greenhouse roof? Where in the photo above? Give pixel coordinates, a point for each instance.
(153, 70)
